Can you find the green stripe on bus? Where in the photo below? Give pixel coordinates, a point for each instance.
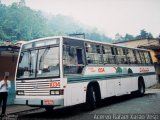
(106, 77)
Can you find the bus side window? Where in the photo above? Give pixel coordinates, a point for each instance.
(112, 50)
(134, 53)
(93, 53)
(121, 57)
(98, 49)
(150, 57)
(108, 57)
(124, 54)
(142, 57)
(147, 57)
(130, 56)
(113, 54)
(137, 56)
(103, 50)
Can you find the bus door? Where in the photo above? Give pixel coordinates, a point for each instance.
(79, 56)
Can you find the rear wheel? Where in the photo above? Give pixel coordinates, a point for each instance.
(141, 88)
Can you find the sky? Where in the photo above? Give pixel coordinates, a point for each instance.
(108, 16)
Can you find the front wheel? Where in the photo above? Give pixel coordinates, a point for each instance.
(49, 109)
(91, 98)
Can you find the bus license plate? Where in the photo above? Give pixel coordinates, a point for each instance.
(48, 102)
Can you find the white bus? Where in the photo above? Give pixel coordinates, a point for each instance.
(64, 71)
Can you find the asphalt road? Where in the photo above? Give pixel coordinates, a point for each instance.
(116, 108)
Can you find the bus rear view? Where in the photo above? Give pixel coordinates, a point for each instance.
(38, 74)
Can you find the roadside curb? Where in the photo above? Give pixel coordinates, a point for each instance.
(11, 109)
(152, 90)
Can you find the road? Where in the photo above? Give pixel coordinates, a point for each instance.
(116, 108)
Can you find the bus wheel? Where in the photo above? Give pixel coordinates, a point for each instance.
(91, 98)
(141, 88)
(49, 109)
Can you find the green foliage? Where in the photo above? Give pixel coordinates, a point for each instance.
(18, 22)
(129, 37)
(144, 35)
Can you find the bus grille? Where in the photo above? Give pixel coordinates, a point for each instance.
(33, 88)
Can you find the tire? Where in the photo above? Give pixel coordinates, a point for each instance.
(91, 98)
(141, 89)
(49, 109)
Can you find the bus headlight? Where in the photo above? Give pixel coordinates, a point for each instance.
(20, 92)
(56, 92)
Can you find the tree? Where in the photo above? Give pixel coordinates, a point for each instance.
(22, 3)
(118, 37)
(144, 35)
(150, 36)
(129, 37)
(19, 22)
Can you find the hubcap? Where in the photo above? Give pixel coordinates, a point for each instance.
(142, 89)
(94, 96)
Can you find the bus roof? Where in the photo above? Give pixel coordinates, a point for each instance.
(81, 39)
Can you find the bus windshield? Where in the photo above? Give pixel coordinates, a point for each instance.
(36, 63)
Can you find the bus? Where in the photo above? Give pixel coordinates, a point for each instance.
(62, 71)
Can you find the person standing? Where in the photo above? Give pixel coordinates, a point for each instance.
(4, 86)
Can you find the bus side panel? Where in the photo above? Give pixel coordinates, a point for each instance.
(103, 88)
(117, 86)
(134, 84)
(67, 96)
(107, 88)
(75, 93)
(126, 84)
(110, 88)
(150, 80)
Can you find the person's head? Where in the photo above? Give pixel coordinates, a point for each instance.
(6, 75)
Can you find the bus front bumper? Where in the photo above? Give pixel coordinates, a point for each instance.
(38, 102)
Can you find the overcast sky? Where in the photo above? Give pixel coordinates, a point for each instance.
(109, 16)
